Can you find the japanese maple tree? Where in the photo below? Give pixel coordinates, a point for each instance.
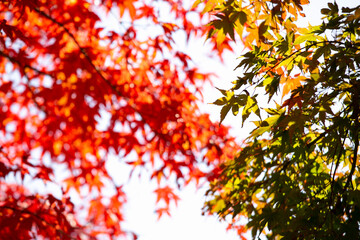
(74, 90)
(297, 176)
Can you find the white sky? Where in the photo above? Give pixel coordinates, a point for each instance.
(186, 221)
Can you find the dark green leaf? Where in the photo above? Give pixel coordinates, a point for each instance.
(220, 101)
(235, 109)
(224, 112)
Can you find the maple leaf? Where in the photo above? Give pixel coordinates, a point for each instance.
(166, 194)
(161, 211)
(291, 83)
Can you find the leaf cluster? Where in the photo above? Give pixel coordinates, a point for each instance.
(297, 177)
(89, 85)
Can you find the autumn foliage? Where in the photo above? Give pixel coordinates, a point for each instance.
(297, 175)
(75, 90)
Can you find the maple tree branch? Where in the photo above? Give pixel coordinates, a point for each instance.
(322, 135)
(14, 60)
(82, 50)
(298, 52)
(335, 169)
(316, 139)
(25, 211)
(87, 57)
(355, 116)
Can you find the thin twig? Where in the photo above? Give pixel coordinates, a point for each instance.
(355, 134)
(82, 50)
(14, 60)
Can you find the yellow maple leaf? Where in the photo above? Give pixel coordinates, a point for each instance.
(291, 83)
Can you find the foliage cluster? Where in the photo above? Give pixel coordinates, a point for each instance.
(74, 91)
(297, 176)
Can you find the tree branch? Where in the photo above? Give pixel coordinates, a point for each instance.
(25, 211)
(14, 60)
(82, 50)
(355, 115)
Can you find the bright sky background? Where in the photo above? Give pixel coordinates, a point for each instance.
(186, 221)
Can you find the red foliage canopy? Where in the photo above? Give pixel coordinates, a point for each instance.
(74, 91)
